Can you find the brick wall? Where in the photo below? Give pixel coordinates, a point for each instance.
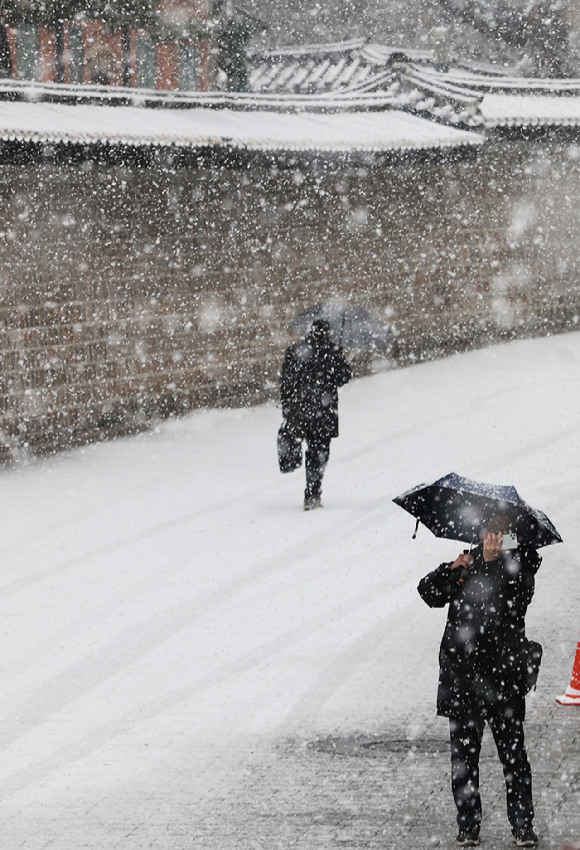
(131, 294)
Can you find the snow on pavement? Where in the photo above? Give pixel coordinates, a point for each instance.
(171, 615)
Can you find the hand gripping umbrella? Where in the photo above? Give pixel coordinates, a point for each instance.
(351, 327)
(458, 508)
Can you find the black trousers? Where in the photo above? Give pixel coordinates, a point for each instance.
(317, 454)
(466, 736)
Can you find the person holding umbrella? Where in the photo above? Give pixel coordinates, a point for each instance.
(486, 662)
(482, 674)
(311, 374)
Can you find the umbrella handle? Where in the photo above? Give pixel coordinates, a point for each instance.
(416, 529)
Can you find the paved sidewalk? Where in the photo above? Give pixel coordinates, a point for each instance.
(312, 800)
(300, 797)
(287, 794)
(294, 797)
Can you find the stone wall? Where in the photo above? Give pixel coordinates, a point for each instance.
(128, 294)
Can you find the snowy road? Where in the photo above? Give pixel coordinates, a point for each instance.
(173, 623)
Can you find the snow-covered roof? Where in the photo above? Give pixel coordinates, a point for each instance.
(355, 69)
(356, 76)
(311, 74)
(500, 81)
(505, 100)
(415, 83)
(345, 66)
(509, 110)
(250, 130)
(35, 92)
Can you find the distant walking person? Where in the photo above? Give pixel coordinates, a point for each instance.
(311, 374)
(483, 670)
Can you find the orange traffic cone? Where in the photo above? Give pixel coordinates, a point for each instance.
(572, 694)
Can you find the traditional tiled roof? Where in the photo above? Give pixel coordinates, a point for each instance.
(502, 100)
(352, 96)
(314, 69)
(469, 95)
(331, 101)
(250, 130)
(498, 80)
(534, 110)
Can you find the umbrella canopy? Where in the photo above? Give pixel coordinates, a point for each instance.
(350, 326)
(458, 508)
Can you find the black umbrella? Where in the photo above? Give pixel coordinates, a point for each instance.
(457, 508)
(350, 326)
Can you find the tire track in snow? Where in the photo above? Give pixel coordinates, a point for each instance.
(345, 662)
(97, 507)
(112, 548)
(419, 427)
(132, 644)
(58, 695)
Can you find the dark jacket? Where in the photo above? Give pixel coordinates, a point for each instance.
(311, 373)
(481, 665)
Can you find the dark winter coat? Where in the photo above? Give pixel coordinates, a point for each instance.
(311, 374)
(481, 665)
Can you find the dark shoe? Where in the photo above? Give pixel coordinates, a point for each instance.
(525, 837)
(468, 836)
(312, 504)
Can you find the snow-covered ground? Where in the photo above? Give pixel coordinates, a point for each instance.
(170, 614)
